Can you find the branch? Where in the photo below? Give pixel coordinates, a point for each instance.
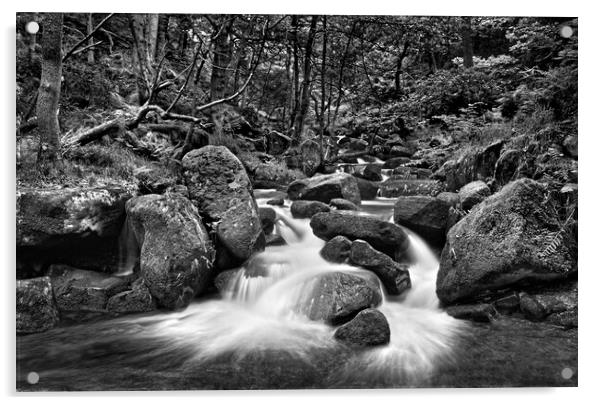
(85, 48)
(72, 50)
(349, 155)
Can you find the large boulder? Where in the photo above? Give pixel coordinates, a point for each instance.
(265, 171)
(307, 209)
(385, 236)
(222, 191)
(336, 250)
(372, 172)
(326, 187)
(394, 276)
(368, 328)
(515, 237)
(368, 189)
(36, 310)
(473, 193)
(337, 297)
(425, 215)
(396, 186)
(77, 226)
(176, 254)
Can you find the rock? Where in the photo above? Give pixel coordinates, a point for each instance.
(394, 276)
(570, 146)
(76, 226)
(277, 143)
(342, 204)
(537, 306)
(152, 180)
(337, 297)
(222, 191)
(79, 291)
(326, 187)
(136, 299)
(392, 163)
(532, 309)
(266, 171)
(427, 216)
(382, 235)
(507, 240)
(268, 219)
(507, 166)
(552, 166)
(36, 311)
(368, 328)
(567, 319)
(454, 216)
(310, 157)
(453, 199)
(274, 240)
(276, 201)
(336, 250)
(176, 257)
(508, 304)
(396, 187)
(358, 144)
(475, 312)
(372, 172)
(223, 279)
(473, 193)
(307, 209)
(402, 151)
(368, 189)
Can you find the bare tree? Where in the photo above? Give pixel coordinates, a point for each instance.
(306, 85)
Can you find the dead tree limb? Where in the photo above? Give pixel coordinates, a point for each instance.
(85, 39)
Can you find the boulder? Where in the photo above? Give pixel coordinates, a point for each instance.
(358, 144)
(452, 199)
(394, 276)
(223, 279)
(136, 299)
(372, 172)
(154, 180)
(368, 328)
(473, 193)
(336, 250)
(402, 151)
(326, 187)
(368, 189)
(473, 312)
(385, 236)
(394, 162)
(427, 216)
(541, 304)
(310, 157)
(276, 201)
(337, 297)
(222, 191)
(266, 171)
(567, 319)
(268, 218)
(395, 186)
(507, 166)
(176, 257)
(513, 238)
(274, 240)
(342, 204)
(307, 209)
(277, 143)
(36, 310)
(570, 146)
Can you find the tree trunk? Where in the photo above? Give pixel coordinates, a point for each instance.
(91, 40)
(295, 83)
(323, 87)
(306, 85)
(467, 42)
(219, 72)
(50, 88)
(163, 25)
(398, 68)
(153, 36)
(337, 103)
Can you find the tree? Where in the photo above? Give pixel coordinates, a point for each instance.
(49, 91)
(467, 41)
(306, 84)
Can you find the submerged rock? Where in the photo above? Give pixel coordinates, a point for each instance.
(342, 204)
(307, 209)
(136, 299)
(425, 215)
(268, 218)
(336, 297)
(515, 237)
(176, 257)
(473, 193)
(396, 186)
(394, 276)
(387, 237)
(336, 250)
(326, 187)
(368, 189)
(368, 328)
(474, 312)
(36, 311)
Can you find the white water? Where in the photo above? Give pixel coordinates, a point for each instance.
(265, 307)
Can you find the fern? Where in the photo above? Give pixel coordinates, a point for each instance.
(557, 239)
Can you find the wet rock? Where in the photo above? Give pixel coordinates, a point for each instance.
(368, 189)
(326, 187)
(473, 193)
(476, 312)
(358, 144)
(372, 172)
(402, 151)
(396, 187)
(307, 209)
(570, 146)
(336, 250)
(508, 304)
(268, 219)
(276, 201)
(134, 300)
(265, 171)
(453, 199)
(507, 240)
(394, 276)
(368, 328)
(177, 255)
(547, 301)
(507, 166)
(427, 216)
(274, 240)
(154, 180)
(454, 215)
(337, 297)
(532, 308)
(382, 235)
(394, 162)
(310, 157)
(36, 310)
(412, 173)
(222, 280)
(567, 319)
(342, 204)
(79, 291)
(222, 191)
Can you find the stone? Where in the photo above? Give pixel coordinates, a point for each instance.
(372, 172)
(570, 146)
(402, 151)
(358, 144)
(506, 167)
(394, 162)
(394, 276)
(505, 241)
(310, 157)
(342, 204)
(134, 300)
(268, 218)
(266, 171)
(36, 310)
(427, 216)
(368, 189)
(326, 187)
(473, 193)
(475, 312)
(369, 328)
(274, 240)
(396, 187)
(276, 201)
(176, 253)
(307, 209)
(336, 250)
(277, 143)
(384, 236)
(222, 280)
(567, 319)
(453, 199)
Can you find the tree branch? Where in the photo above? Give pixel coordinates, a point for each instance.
(83, 41)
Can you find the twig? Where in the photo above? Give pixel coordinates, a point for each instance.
(72, 50)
